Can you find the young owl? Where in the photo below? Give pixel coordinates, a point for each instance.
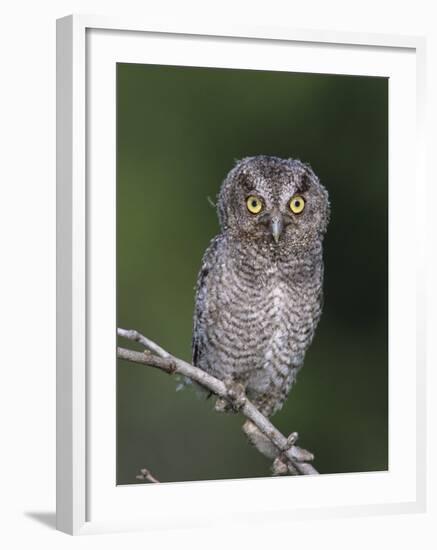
(259, 289)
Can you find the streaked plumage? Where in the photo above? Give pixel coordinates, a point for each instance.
(258, 301)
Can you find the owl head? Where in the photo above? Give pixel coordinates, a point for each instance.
(274, 201)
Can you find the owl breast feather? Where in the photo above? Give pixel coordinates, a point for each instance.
(255, 317)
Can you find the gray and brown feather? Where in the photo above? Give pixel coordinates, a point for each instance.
(259, 289)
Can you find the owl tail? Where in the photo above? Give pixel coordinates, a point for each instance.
(259, 440)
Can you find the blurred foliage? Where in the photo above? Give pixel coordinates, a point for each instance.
(179, 131)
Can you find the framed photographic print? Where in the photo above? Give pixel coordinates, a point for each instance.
(240, 314)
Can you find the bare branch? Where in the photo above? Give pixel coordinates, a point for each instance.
(148, 344)
(147, 358)
(296, 459)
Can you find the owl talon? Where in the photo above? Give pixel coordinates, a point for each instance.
(236, 395)
(235, 400)
(221, 405)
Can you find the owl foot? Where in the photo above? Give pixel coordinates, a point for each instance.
(236, 398)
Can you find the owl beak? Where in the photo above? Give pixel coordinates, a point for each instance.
(276, 227)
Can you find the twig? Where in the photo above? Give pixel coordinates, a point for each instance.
(145, 475)
(155, 356)
(148, 344)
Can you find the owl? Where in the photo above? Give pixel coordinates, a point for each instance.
(259, 290)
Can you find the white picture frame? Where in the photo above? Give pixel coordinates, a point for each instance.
(87, 48)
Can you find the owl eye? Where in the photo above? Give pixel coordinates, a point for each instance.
(297, 204)
(254, 204)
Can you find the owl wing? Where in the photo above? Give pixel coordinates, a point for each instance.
(208, 262)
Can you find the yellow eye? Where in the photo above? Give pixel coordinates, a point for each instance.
(254, 204)
(297, 204)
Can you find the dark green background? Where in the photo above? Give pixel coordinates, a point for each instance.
(179, 131)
